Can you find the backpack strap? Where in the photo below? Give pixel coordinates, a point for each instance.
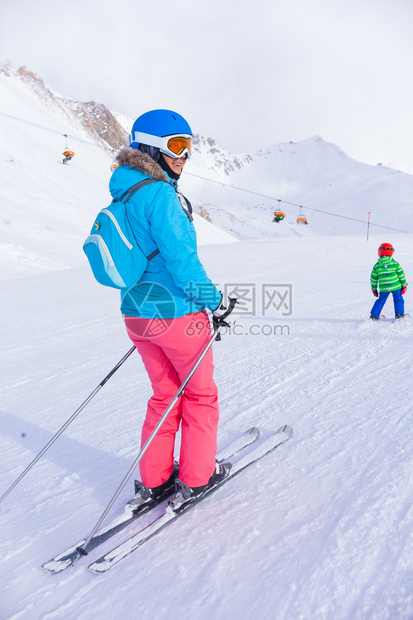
(132, 190)
(128, 195)
(186, 205)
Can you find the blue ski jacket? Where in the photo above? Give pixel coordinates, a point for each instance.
(175, 282)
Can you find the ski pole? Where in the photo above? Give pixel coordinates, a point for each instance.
(69, 421)
(82, 550)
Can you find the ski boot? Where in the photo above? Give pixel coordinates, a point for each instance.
(374, 318)
(145, 495)
(185, 494)
(399, 316)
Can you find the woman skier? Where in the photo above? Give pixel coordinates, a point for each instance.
(165, 313)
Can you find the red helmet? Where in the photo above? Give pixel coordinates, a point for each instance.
(386, 249)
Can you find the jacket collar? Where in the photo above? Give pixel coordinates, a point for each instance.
(141, 161)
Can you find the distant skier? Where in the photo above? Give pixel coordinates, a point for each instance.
(387, 277)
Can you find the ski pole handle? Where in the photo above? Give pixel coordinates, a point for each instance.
(219, 321)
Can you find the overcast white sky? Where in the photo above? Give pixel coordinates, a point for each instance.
(247, 73)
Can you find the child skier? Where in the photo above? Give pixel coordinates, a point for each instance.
(387, 276)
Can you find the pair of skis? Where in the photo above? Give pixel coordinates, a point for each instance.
(136, 540)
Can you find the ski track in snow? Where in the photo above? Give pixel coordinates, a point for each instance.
(329, 528)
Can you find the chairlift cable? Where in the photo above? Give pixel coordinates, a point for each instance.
(294, 204)
(241, 189)
(60, 133)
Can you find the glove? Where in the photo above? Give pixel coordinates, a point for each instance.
(375, 293)
(221, 314)
(225, 307)
(404, 289)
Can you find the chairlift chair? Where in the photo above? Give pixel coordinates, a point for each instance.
(278, 216)
(67, 156)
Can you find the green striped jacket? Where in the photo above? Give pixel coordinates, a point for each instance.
(387, 275)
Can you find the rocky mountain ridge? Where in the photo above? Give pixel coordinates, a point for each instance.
(110, 129)
(94, 118)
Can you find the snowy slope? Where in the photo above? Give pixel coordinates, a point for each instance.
(320, 529)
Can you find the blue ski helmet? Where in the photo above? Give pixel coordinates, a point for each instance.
(158, 124)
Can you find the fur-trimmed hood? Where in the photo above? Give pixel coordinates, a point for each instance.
(141, 161)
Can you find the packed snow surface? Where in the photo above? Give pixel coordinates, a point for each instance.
(319, 529)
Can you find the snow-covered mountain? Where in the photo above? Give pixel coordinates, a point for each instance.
(335, 191)
(91, 117)
(319, 529)
(238, 193)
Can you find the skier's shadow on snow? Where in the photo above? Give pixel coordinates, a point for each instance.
(68, 454)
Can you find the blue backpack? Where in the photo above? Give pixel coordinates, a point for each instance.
(111, 248)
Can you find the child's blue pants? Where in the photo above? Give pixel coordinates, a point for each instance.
(398, 303)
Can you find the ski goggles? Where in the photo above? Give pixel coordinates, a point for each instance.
(175, 146)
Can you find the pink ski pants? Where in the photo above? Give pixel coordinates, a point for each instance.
(169, 349)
